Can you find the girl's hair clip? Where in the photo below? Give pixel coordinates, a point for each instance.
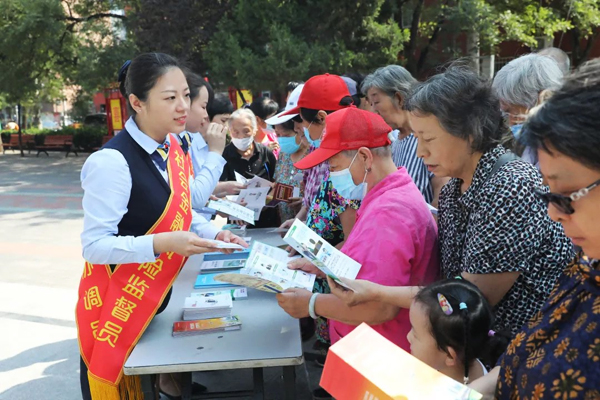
(458, 277)
(491, 333)
(444, 304)
(462, 305)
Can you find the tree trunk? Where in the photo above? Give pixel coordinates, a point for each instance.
(20, 133)
(473, 50)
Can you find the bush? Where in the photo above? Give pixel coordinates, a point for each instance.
(84, 138)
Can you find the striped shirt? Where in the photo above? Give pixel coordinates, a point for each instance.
(404, 154)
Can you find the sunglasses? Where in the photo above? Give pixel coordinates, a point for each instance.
(564, 203)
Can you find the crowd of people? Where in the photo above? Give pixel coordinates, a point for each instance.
(498, 287)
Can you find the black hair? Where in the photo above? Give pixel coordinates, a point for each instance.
(288, 125)
(264, 107)
(310, 114)
(139, 75)
(568, 122)
(292, 85)
(464, 104)
(196, 83)
(358, 78)
(220, 105)
(466, 329)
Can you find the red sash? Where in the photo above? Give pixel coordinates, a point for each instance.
(114, 308)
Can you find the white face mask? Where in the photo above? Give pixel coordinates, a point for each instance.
(242, 144)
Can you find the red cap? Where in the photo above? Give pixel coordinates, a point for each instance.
(321, 92)
(348, 129)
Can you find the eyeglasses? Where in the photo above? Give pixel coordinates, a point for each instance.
(563, 203)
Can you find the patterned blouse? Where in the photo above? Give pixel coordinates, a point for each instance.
(557, 354)
(285, 172)
(499, 225)
(313, 178)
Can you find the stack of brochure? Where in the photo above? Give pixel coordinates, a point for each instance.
(189, 328)
(207, 305)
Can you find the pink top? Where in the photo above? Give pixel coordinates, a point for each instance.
(270, 137)
(395, 240)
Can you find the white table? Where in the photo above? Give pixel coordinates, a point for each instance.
(269, 338)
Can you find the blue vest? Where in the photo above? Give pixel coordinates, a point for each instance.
(149, 190)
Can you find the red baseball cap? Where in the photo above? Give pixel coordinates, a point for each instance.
(348, 129)
(321, 92)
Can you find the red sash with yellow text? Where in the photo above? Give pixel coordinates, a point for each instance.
(115, 307)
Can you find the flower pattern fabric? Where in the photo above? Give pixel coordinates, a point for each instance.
(557, 354)
(286, 173)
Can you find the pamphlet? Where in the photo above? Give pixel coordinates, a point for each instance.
(219, 244)
(188, 328)
(266, 270)
(209, 267)
(236, 294)
(365, 365)
(207, 305)
(324, 256)
(207, 281)
(234, 210)
(255, 199)
(255, 182)
(281, 194)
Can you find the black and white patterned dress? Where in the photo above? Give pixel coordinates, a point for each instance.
(499, 225)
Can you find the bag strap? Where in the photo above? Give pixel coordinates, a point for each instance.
(500, 162)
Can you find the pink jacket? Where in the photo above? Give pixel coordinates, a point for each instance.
(395, 240)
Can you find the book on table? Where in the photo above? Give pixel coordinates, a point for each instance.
(320, 253)
(365, 365)
(207, 305)
(266, 270)
(189, 328)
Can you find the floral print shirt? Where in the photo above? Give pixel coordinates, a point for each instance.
(557, 354)
(286, 173)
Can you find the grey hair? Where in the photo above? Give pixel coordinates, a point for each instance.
(244, 113)
(381, 152)
(391, 79)
(520, 81)
(464, 104)
(561, 58)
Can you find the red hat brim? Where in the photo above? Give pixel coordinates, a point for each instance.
(316, 157)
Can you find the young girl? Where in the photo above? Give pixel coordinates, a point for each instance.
(137, 216)
(452, 330)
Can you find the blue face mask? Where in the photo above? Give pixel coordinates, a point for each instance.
(516, 130)
(315, 143)
(344, 184)
(288, 144)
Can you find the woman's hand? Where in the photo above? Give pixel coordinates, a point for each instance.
(364, 291)
(273, 146)
(303, 264)
(215, 137)
(228, 237)
(228, 188)
(183, 243)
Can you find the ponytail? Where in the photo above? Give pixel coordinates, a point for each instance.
(464, 312)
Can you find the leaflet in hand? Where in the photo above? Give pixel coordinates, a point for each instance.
(219, 244)
(255, 199)
(234, 210)
(324, 256)
(255, 182)
(266, 270)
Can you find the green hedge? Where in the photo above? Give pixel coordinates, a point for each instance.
(84, 138)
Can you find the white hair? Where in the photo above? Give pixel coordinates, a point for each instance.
(381, 152)
(243, 113)
(391, 79)
(562, 58)
(520, 81)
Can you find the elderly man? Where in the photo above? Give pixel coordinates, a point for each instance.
(394, 238)
(387, 90)
(519, 85)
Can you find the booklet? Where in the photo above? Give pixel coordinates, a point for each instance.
(188, 328)
(365, 365)
(281, 194)
(266, 270)
(236, 294)
(255, 182)
(207, 281)
(212, 266)
(324, 256)
(234, 210)
(207, 305)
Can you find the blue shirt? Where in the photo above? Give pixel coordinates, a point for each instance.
(404, 154)
(106, 182)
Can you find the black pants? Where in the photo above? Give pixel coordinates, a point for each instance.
(83, 370)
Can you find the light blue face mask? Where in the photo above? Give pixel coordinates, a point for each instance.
(315, 143)
(344, 184)
(288, 144)
(516, 130)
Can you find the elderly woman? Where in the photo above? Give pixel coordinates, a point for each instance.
(519, 85)
(493, 230)
(387, 90)
(247, 157)
(557, 353)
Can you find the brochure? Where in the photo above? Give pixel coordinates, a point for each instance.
(365, 365)
(207, 281)
(266, 269)
(255, 182)
(207, 305)
(281, 194)
(211, 266)
(234, 210)
(188, 328)
(324, 256)
(255, 199)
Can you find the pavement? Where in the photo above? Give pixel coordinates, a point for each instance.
(40, 266)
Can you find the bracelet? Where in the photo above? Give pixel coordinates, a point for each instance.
(311, 305)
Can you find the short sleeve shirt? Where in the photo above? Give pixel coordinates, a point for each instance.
(499, 225)
(557, 353)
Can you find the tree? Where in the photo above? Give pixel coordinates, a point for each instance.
(181, 28)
